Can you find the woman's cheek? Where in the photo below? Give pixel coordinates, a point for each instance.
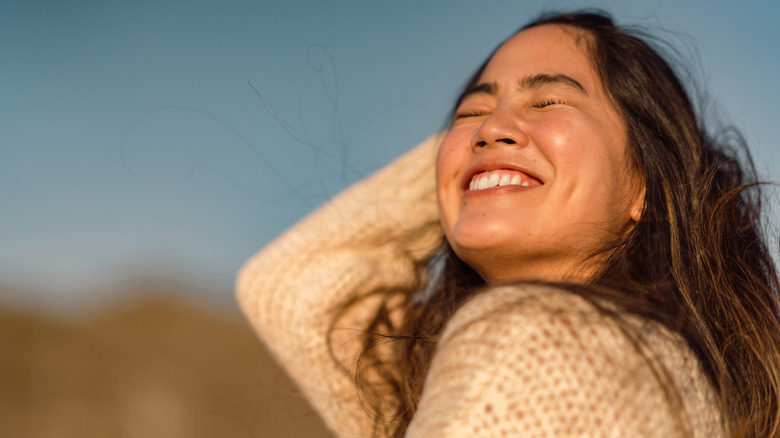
(556, 134)
(453, 156)
(459, 137)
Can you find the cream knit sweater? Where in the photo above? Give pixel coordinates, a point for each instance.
(515, 361)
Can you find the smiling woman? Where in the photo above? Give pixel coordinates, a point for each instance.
(540, 114)
(585, 260)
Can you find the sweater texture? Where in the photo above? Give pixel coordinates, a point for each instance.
(530, 361)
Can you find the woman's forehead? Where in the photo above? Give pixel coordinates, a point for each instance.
(547, 49)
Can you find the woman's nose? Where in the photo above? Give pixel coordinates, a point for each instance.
(501, 127)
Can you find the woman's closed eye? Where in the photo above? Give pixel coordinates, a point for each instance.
(542, 103)
(548, 102)
(467, 114)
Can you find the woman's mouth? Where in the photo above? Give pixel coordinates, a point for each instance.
(502, 177)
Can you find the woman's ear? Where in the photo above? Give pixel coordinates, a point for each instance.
(639, 205)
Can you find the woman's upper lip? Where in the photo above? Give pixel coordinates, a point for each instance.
(487, 166)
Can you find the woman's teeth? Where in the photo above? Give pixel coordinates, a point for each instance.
(495, 179)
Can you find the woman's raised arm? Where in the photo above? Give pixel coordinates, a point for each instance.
(367, 238)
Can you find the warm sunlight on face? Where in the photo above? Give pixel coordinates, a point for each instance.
(534, 175)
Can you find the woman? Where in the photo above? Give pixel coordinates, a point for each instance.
(601, 271)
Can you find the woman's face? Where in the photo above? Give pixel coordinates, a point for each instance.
(534, 175)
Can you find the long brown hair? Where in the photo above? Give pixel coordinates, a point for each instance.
(696, 260)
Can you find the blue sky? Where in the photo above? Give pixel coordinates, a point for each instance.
(135, 143)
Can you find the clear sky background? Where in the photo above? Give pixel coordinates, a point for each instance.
(134, 144)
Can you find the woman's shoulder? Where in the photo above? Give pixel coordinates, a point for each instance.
(538, 359)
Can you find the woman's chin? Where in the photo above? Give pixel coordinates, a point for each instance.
(506, 262)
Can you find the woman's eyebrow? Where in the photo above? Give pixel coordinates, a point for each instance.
(489, 88)
(541, 79)
(532, 82)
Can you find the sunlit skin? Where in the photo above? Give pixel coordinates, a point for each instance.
(541, 113)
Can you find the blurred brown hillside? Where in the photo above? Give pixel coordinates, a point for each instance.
(154, 368)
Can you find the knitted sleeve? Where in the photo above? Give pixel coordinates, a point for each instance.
(538, 362)
(367, 238)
